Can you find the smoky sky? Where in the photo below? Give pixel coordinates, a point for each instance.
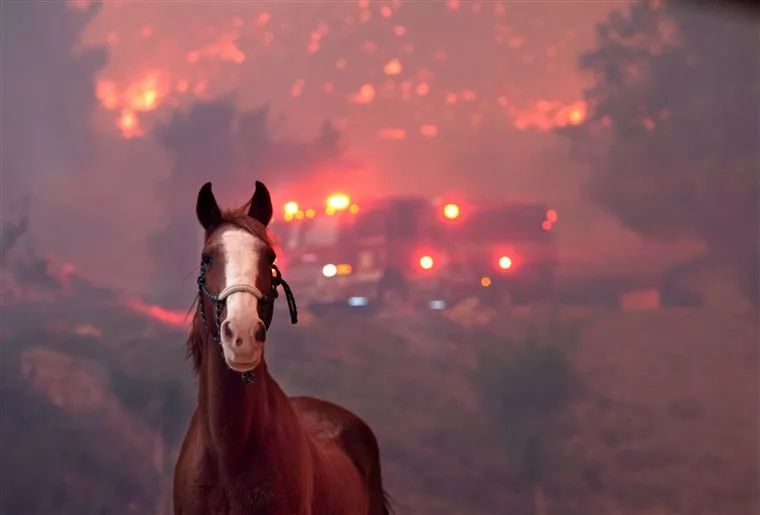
(122, 210)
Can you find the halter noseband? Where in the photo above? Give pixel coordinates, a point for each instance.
(220, 298)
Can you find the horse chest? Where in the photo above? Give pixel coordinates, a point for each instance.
(253, 496)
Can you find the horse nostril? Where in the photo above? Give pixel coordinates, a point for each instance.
(261, 333)
(227, 331)
(238, 341)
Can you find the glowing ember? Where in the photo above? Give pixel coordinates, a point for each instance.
(429, 130)
(391, 133)
(263, 19)
(546, 115)
(297, 88)
(393, 67)
(106, 92)
(129, 125)
(365, 95)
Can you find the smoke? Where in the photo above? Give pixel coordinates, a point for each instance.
(214, 141)
(47, 95)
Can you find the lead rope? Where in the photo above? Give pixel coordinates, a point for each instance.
(289, 297)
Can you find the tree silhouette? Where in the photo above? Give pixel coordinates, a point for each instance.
(673, 132)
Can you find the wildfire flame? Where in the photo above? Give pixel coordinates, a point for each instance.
(166, 316)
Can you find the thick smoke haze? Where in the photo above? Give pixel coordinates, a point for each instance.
(374, 90)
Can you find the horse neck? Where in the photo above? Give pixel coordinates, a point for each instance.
(240, 420)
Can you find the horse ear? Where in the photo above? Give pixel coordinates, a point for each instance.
(261, 204)
(207, 209)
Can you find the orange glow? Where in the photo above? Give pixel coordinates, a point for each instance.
(485, 281)
(338, 201)
(106, 92)
(426, 262)
(505, 262)
(343, 269)
(297, 88)
(310, 213)
(451, 211)
(263, 19)
(129, 125)
(393, 67)
(469, 95)
(551, 215)
(546, 225)
(166, 316)
(354, 209)
(391, 133)
(365, 95)
(546, 115)
(429, 130)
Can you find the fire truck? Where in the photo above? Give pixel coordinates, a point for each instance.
(416, 251)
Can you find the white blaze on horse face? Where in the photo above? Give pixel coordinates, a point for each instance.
(242, 329)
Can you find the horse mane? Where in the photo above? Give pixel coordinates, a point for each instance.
(239, 218)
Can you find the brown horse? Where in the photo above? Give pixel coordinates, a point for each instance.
(249, 448)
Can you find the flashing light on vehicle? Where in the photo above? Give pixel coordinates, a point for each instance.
(338, 202)
(437, 305)
(485, 281)
(329, 270)
(546, 225)
(426, 262)
(343, 269)
(505, 262)
(290, 209)
(357, 302)
(451, 211)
